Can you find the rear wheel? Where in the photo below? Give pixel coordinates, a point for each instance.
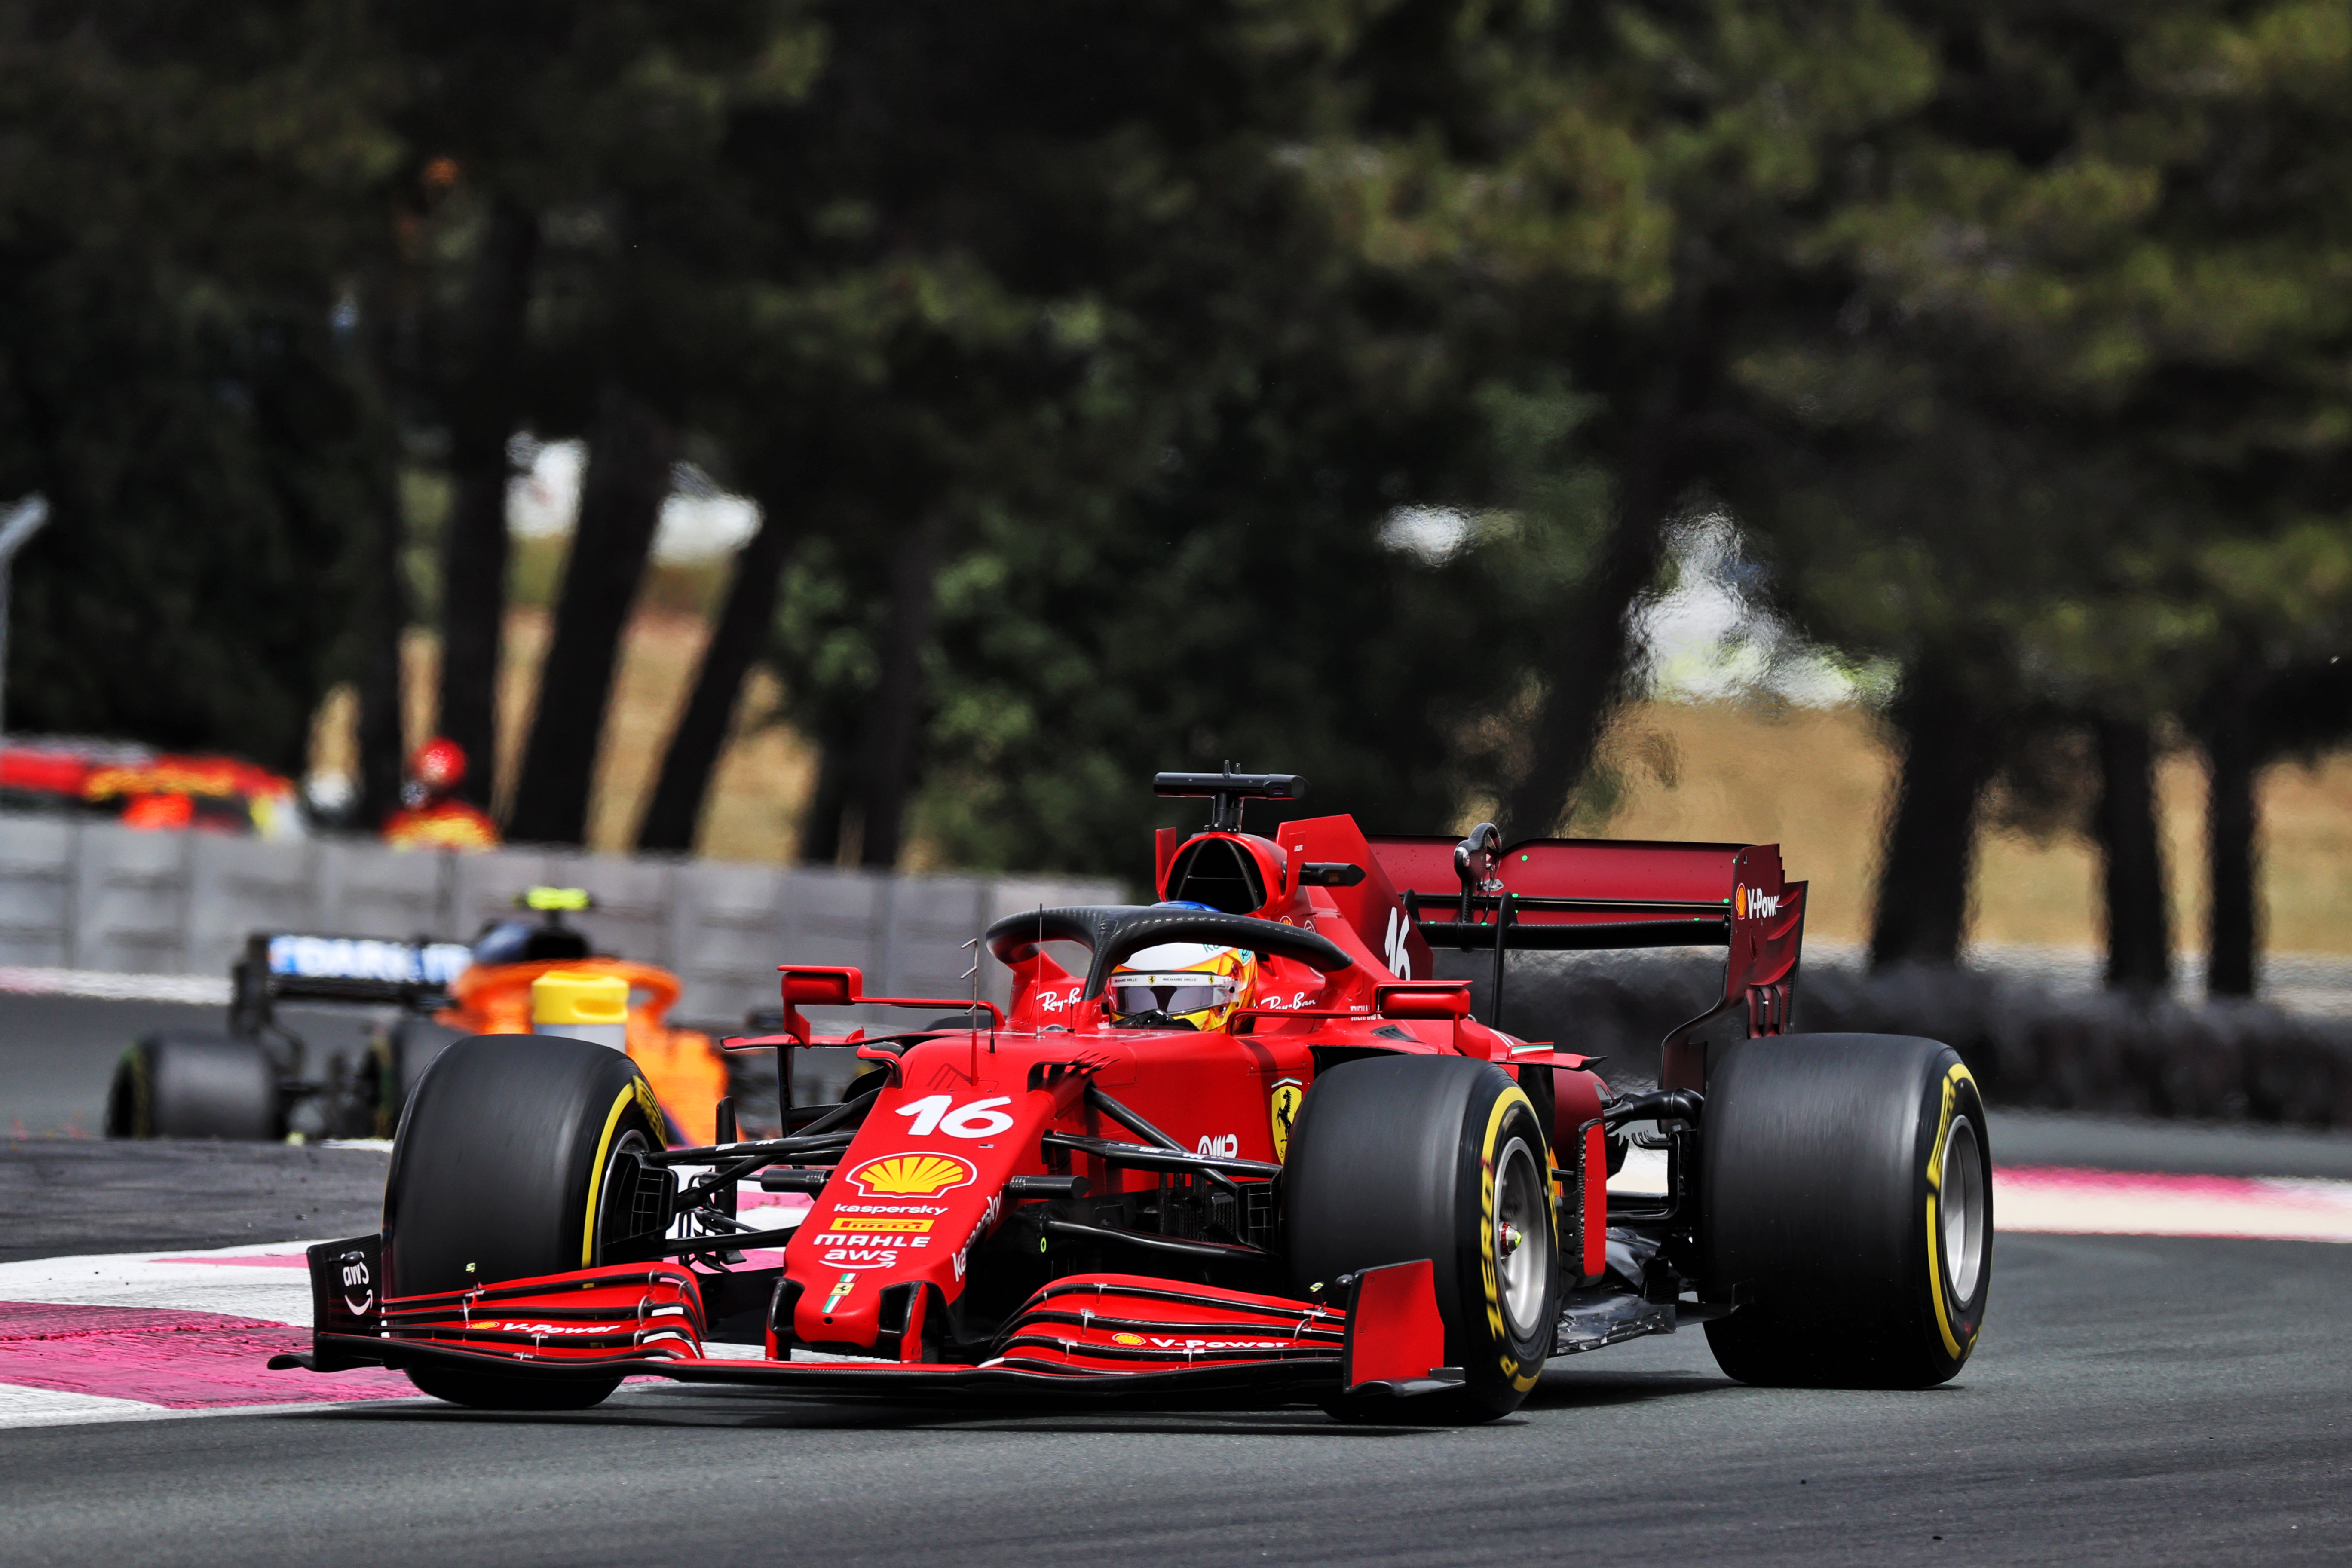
(176, 1085)
(1399, 1158)
(1847, 1193)
(396, 1060)
(517, 1156)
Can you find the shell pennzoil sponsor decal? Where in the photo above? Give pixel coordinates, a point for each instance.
(1754, 903)
(1282, 1107)
(913, 1175)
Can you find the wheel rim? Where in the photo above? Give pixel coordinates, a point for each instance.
(1522, 1239)
(631, 1143)
(1962, 1208)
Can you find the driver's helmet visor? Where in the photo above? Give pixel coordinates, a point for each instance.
(1134, 994)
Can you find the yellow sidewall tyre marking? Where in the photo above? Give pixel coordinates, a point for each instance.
(1522, 1377)
(1936, 1289)
(637, 1093)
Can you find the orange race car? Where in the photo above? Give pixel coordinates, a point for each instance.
(254, 1082)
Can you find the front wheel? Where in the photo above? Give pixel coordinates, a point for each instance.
(1846, 1201)
(1399, 1158)
(517, 1157)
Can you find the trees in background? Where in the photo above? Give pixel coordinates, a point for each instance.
(1144, 387)
(1149, 303)
(2064, 346)
(179, 197)
(557, 288)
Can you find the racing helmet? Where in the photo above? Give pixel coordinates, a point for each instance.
(438, 764)
(1189, 984)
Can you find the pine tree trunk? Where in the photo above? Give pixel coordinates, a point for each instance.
(1591, 656)
(821, 827)
(382, 744)
(1590, 662)
(484, 407)
(629, 457)
(2139, 926)
(886, 762)
(385, 607)
(1949, 751)
(2233, 930)
(702, 730)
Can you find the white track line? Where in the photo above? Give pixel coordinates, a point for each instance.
(2057, 1200)
(2068, 1201)
(105, 985)
(214, 1281)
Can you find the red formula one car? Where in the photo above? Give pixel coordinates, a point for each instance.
(1241, 1145)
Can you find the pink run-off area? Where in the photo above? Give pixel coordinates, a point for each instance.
(2058, 1200)
(146, 1336)
(179, 1361)
(123, 1334)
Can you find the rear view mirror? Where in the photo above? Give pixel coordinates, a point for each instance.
(822, 985)
(1422, 999)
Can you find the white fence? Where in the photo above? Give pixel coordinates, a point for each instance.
(93, 896)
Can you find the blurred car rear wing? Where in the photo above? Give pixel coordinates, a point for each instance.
(292, 966)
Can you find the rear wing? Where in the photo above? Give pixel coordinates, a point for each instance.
(362, 971)
(1587, 895)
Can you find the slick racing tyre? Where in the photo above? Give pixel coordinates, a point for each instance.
(1845, 1190)
(510, 1162)
(178, 1085)
(1399, 1158)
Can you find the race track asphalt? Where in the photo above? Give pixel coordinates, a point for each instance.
(60, 1195)
(2135, 1402)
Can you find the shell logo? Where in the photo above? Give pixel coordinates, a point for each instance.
(1127, 1338)
(912, 1175)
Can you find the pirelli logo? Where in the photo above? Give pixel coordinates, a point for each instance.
(884, 1226)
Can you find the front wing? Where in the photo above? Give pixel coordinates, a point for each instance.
(1122, 1337)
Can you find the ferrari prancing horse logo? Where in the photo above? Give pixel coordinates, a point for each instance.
(1284, 1110)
